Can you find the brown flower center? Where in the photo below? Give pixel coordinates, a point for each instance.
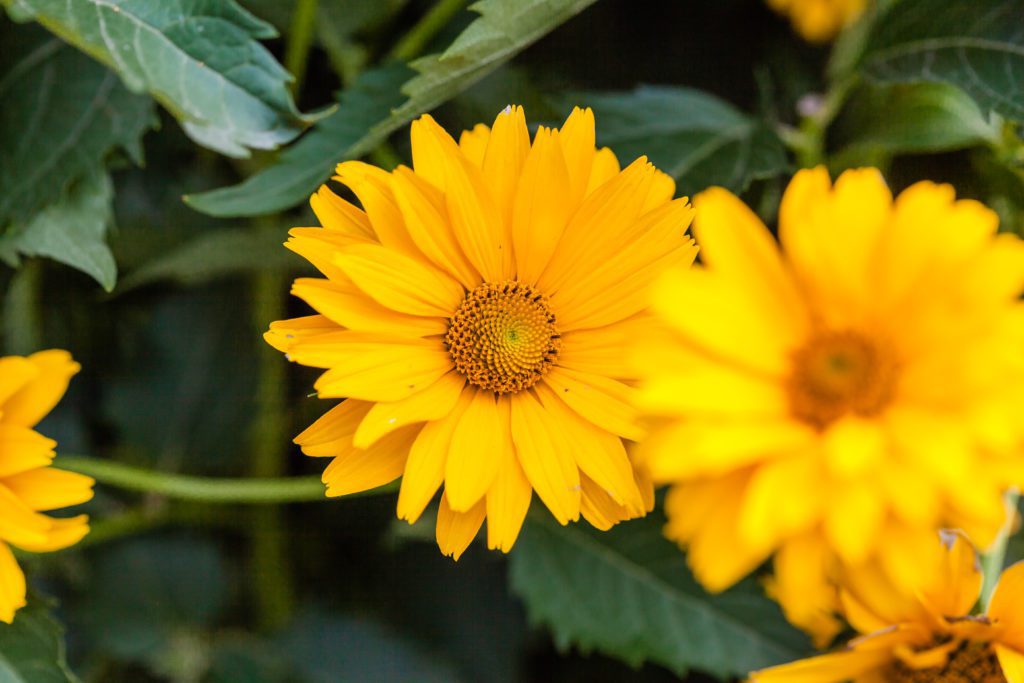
(503, 337)
(837, 373)
(972, 662)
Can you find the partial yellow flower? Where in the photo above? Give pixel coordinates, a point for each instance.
(818, 21)
(837, 402)
(29, 389)
(927, 633)
(475, 314)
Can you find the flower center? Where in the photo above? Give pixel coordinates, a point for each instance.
(972, 662)
(503, 337)
(837, 373)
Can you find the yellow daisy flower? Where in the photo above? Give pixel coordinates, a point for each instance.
(927, 634)
(475, 314)
(840, 401)
(818, 21)
(29, 389)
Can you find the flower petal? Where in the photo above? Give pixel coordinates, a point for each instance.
(36, 399)
(606, 402)
(456, 530)
(507, 148)
(542, 449)
(49, 488)
(399, 282)
(334, 213)
(1007, 606)
(354, 310)
(361, 469)
(12, 585)
(508, 499)
(373, 188)
(432, 403)
(475, 454)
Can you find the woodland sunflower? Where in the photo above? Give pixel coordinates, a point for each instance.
(29, 388)
(474, 314)
(819, 21)
(927, 634)
(837, 402)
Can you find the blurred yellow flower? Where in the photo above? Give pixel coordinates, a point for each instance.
(475, 314)
(29, 389)
(928, 633)
(819, 21)
(837, 403)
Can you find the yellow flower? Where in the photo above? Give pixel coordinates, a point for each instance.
(840, 402)
(927, 634)
(29, 389)
(819, 21)
(475, 315)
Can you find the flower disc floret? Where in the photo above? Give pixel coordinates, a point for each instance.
(503, 337)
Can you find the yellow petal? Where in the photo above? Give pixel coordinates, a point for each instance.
(334, 213)
(604, 168)
(456, 530)
(283, 334)
(432, 403)
(424, 470)
(853, 517)
(320, 247)
(23, 449)
(373, 188)
(35, 399)
(373, 371)
(358, 469)
(600, 350)
(735, 243)
(508, 499)
(540, 210)
(475, 454)
(336, 426)
(63, 533)
(49, 488)
(785, 498)
(831, 668)
(606, 402)
(354, 310)
(1011, 661)
(473, 144)
(423, 208)
(1007, 606)
(598, 453)
(18, 523)
(507, 148)
(15, 372)
(544, 455)
(401, 283)
(429, 149)
(12, 585)
(803, 586)
(594, 233)
(577, 141)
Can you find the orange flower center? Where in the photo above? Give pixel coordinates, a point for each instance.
(972, 662)
(503, 337)
(837, 373)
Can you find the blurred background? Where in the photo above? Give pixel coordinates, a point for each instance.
(176, 377)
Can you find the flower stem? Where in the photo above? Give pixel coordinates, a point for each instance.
(413, 43)
(199, 489)
(992, 562)
(300, 40)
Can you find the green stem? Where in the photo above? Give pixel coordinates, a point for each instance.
(23, 316)
(808, 142)
(300, 40)
(993, 561)
(199, 489)
(419, 36)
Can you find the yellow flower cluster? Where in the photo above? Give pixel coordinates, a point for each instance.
(819, 21)
(29, 389)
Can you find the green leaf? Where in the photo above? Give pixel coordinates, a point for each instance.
(911, 118)
(629, 594)
(32, 649)
(72, 230)
(61, 115)
(694, 137)
(372, 110)
(977, 45)
(200, 59)
(214, 255)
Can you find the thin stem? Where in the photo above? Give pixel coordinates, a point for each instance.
(993, 561)
(808, 142)
(200, 489)
(412, 44)
(300, 40)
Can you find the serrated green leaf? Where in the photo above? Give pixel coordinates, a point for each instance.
(694, 137)
(503, 29)
(199, 58)
(977, 46)
(32, 649)
(213, 255)
(61, 115)
(72, 230)
(910, 118)
(629, 594)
